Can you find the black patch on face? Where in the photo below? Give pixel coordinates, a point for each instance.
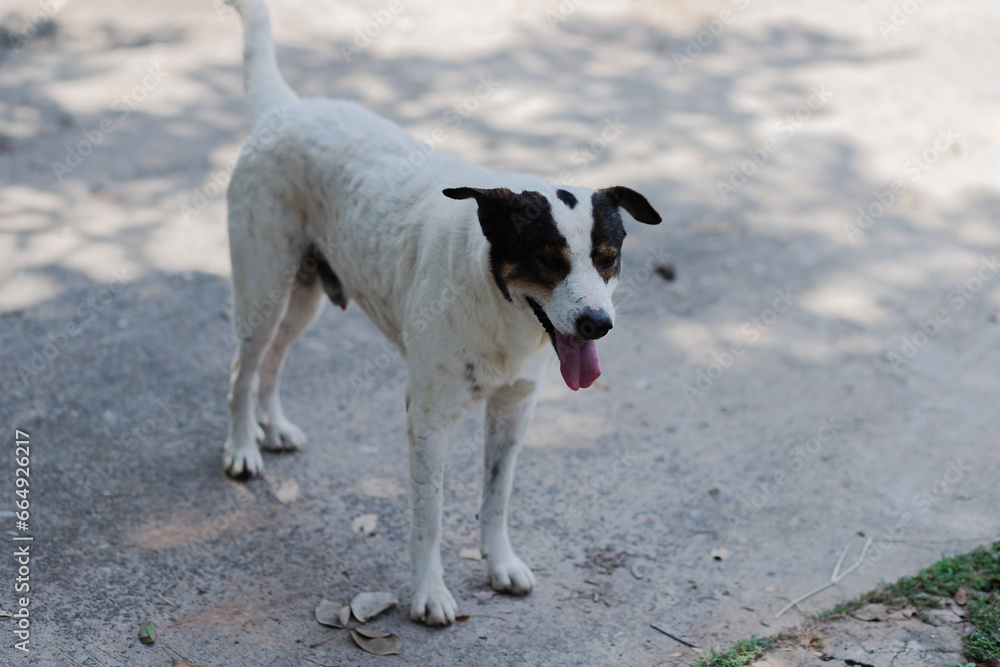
(526, 247)
(606, 236)
(567, 198)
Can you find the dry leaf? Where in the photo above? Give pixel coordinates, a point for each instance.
(327, 613)
(285, 490)
(471, 554)
(370, 605)
(378, 643)
(676, 654)
(185, 663)
(147, 634)
(345, 615)
(506, 611)
(365, 524)
(961, 597)
(773, 589)
(721, 553)
(462, 618)
(485, 596)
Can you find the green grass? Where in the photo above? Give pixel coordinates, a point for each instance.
(741, 655)
(978, 572)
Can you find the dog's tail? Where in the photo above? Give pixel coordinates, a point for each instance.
(265, 88)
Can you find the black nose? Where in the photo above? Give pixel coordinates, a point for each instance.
(593, 324)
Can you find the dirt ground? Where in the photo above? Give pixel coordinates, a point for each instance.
(815, 375)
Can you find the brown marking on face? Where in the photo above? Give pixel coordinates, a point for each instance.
(527, 250)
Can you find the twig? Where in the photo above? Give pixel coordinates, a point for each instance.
(834, 578)
(673, 634)
(335, 634)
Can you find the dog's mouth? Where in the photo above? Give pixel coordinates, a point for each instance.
(578, 360)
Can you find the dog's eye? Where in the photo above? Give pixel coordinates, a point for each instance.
(552, 263)
(607, 262)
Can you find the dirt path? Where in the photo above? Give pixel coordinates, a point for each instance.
(812, 374)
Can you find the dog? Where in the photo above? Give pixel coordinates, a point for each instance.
(482, 280)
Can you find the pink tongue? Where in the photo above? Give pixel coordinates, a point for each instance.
(577, 361)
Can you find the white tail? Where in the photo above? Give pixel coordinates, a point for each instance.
(265, 87)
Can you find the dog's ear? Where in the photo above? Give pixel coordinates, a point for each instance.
(499, 208)
(634, 203)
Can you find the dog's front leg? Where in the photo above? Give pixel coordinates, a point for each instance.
(508, 413)
(429, 424)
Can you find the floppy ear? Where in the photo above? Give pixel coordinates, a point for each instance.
(499, 208)
(634, 203)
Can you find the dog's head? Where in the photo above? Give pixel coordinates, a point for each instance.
(561, 256)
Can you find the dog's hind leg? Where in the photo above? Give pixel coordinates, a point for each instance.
(303, 305)
(263, 275)
(508, 413)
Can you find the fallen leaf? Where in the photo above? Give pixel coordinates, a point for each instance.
(365, 524)
(462, 618)
(147, 633)
(676, 654)
(485, 596)
(185, 663)
(345, 615)
(378, 643)
(471, 554)
(506, 611)
(327, 613)
(773, 589)
(601, 384)
(961, 597)
(285, 490)
(370, 605)
(720, 553)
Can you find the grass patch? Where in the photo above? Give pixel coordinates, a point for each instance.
(741, 655)
(978, 572)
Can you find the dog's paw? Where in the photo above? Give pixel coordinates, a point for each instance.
(258, 432)
(243, 463)
(282, 436)
(510, 575)
(433, 604)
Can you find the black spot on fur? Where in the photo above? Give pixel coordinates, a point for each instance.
(526, 246)
(567, 198)
(494, 472)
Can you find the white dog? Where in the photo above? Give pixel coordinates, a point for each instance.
(480, 294)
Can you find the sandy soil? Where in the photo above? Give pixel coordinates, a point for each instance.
(813, 377)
